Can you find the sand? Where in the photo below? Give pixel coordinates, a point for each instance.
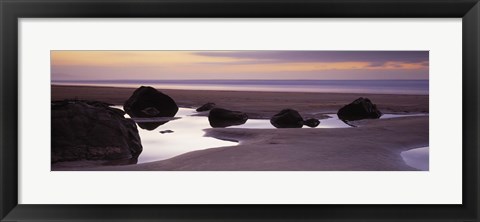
(373, 146)
(255, 104)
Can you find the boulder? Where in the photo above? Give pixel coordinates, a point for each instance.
(147, 102)
(219, 117)
(287, 118)
(90, 130)
(312, 122)
(361, 108)
(206, 107)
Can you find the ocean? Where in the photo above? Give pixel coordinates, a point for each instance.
(413, 87)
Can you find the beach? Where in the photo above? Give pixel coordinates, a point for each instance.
(255, 104)
(375, 145)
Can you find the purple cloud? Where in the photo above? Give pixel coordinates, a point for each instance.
(376, 58)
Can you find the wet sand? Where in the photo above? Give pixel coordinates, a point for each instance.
(374, 145)
(256, 104)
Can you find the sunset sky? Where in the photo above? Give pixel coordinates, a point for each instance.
(177, 65)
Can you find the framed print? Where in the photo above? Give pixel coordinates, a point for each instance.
(207, 110)
(202, 91)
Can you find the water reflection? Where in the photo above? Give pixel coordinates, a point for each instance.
(152, 123)
(417, 158)
(181, 134)
(384, 116)
(166, 138)
(150, 126)
(185, 134)
(331, 122)
(389, 116)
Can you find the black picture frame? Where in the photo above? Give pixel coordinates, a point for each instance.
(12, 10)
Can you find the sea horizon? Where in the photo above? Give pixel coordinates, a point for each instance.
(413, 87)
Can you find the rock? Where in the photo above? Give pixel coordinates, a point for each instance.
(219, 117)
(151, 111)
(361, 108)
(312, 122)
(287, 118)
(147, 102)
(206, 107)
(89, 130)
(166, 131)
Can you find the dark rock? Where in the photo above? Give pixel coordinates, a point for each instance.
(287, 118)
(89, 130)
(312, 122)
(219, 117)
(147, 102)
(166, 131)
(361, 108)
(206, 107)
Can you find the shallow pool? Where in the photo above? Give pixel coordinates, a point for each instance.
(164, 138)
(176, 137)
(417, 158)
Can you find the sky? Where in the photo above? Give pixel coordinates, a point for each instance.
(279, 65)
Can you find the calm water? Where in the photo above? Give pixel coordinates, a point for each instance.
(417, 158)
(418, 87)
(186, 133)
